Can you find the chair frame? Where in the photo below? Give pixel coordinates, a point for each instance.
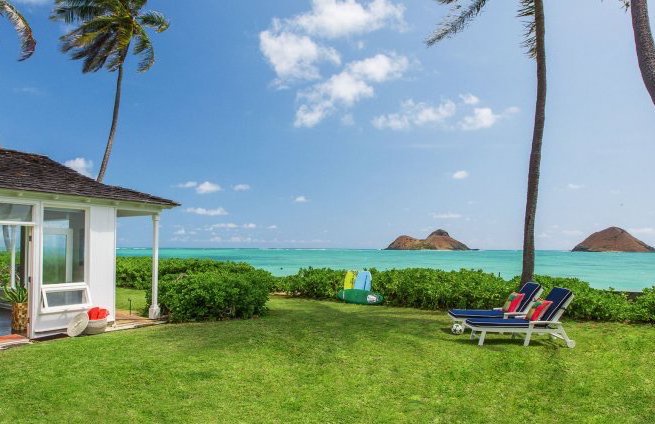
(506, 315)
(553, 328)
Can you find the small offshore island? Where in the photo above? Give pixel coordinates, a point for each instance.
(612, 239)
(437, 240)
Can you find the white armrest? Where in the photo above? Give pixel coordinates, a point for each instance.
(514, 314)
(533, 323)
(498, 309)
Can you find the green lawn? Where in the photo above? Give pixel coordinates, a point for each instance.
(309, 361)
(123, 297)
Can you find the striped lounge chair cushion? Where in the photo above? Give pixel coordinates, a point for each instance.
(475, 313)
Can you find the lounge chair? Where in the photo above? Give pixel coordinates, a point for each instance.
(548, 323)
(530, 290)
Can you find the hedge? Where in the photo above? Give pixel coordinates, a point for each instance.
(440, 290)
(136, 272)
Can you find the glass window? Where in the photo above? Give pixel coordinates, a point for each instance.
(56, 298)
(65, 298)
(13, 254)
(63, 246)
(13, 212)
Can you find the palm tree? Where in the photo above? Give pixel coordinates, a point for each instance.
(643, 42)
(106, 30)
(27, 41)
(534, 42)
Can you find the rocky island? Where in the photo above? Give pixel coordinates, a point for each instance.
(612, 239)
(438, 240)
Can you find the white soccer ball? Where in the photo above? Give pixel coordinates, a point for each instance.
(457, 328)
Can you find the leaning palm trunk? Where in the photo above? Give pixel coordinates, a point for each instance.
(114, 125)
(644, 44)
(537, 137)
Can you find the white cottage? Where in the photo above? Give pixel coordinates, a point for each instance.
(59, 230)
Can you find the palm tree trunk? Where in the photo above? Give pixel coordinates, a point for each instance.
(644, 43)
(537, 137)
(114, 124)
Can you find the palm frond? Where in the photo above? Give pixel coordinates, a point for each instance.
(70, 11)
(456, 20)
(527, 10)
(145, 50)
(27, 41)
(155, 20)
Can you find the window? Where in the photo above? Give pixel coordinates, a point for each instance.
(15, 213)
(63, 246)
(64, 250)
(57, 298)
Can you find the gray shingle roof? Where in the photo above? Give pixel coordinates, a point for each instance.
(30, 172)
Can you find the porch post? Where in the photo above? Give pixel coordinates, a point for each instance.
(154, 311)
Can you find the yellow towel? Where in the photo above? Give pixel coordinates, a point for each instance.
(349, 281)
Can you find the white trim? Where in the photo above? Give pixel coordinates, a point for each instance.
(58, 288)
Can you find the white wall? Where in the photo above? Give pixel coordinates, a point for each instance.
(102, 258)
(100, 267)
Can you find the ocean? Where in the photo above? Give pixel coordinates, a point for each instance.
(621, 271)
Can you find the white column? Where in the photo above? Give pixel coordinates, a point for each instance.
(154, 311)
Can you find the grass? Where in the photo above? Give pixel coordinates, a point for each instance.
(123, 297)
(310, 361)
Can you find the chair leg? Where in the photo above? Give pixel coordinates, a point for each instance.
(482, 335)
(569, 343)
(526, 342)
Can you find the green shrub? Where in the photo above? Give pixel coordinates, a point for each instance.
(435, 289)
(214, 295)
(315, 283)
(136, 272)
(644, 306)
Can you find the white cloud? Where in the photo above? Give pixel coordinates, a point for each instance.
(469, 99)
(294, 57)
(347, 120)
(207, 187)
(484, 117)
(188, 184)
(347, 87)
(335, 18)
(241, 187)
(460, 175)
(272, 227)
(415, 114)
(81, 165)
(642, 231)
(228, 226)
(572, 186)
(250, 226)
(207, 212)
(28, 90)
(301, 199)
(446, 215)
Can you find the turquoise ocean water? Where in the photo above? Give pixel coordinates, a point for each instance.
(621, 271)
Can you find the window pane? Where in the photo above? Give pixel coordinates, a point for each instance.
(13, 251)
(63, 246)
(12, 212)
(65, 298)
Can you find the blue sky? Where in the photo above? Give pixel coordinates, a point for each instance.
(330, 124)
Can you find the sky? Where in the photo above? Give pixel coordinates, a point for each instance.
(330, 124)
